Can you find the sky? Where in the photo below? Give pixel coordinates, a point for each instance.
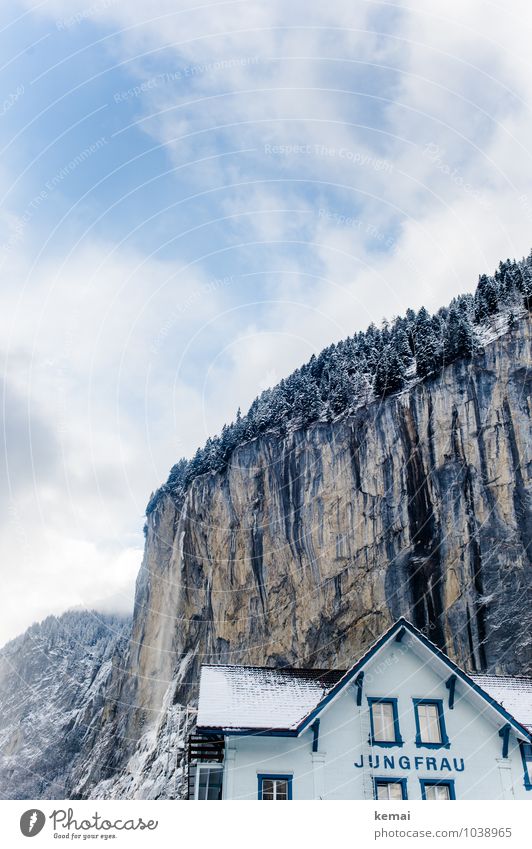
(195, 197)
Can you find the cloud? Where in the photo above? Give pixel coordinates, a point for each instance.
(342, 163)
(88, 425)
(30, 450)
(56, 572)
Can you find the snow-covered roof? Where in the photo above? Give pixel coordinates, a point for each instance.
(513, 693)
(257, 697)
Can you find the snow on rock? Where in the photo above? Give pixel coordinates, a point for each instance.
(53, 682)
(156, 767)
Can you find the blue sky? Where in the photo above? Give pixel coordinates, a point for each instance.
(198, 196)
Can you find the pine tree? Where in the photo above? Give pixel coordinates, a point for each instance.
(389, 375)
(428, 349)
(451, 335)
(362, 389)
(527, 287)
(401, 344)
(280, 407)
(341, 392)
(486, 298)
(307, 400)
(250, 430)
(263, 416)
(458, 335)
(176, 478)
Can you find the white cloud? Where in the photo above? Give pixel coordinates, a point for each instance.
(88, 419)
(56, 572)
(413, 176)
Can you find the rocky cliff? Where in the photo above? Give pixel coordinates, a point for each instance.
(308, 546)
(53, 686)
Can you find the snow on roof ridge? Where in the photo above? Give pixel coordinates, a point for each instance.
(496, 675)
(320, 669)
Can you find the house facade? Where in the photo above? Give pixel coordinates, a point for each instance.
(403, 723)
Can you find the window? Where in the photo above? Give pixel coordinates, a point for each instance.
(437, 791)
(390, 788)
(208, 781)
(526, 754)
(430, 724)
(272, 787)
(384, 722)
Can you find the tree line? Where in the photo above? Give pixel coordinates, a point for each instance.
(364, 367)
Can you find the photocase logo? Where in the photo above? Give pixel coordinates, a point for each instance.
(32, 822)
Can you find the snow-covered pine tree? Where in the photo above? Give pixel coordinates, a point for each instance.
(486, 298)
(390, 372)
(402, 346)
(427, 345)
(526, 287)
(307, 400)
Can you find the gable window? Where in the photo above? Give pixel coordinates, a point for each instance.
(430, 724)
(526, 754)
(208, 781)
(273, 787)
(390, 788)
(437, 791)
(384, 722)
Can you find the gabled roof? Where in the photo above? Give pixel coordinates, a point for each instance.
(261, 700)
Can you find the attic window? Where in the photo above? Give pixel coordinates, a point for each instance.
(384, 722)
(430, 724)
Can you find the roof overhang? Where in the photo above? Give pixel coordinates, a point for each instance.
(405, 633)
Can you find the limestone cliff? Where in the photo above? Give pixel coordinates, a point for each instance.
(306, 548)
(302, 551)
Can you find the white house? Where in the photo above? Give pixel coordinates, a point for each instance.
(403, 723)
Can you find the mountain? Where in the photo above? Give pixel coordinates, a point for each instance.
(369, 365)
(306, 547)
(53, 685)
(304, 530)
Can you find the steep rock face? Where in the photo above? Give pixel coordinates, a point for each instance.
(302, 552)
(53, 688)
(306, 548)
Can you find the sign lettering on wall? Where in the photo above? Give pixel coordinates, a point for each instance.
(405, 762)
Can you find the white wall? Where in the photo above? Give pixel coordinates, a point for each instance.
(398, 673)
